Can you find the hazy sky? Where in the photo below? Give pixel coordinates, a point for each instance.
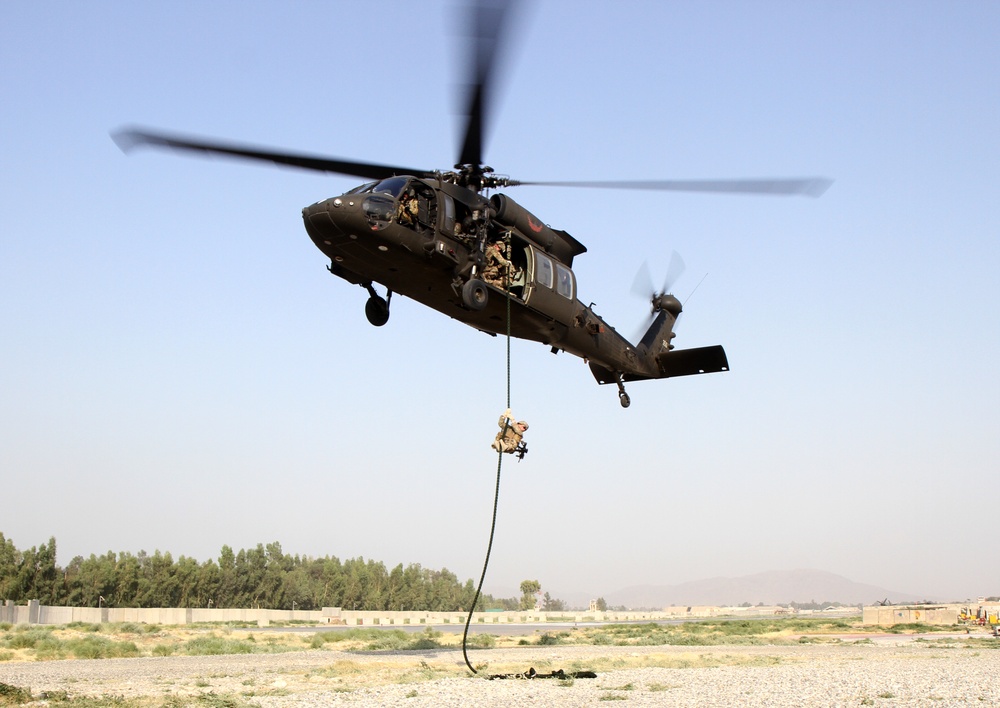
(180, 372)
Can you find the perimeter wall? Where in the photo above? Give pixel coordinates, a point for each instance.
(34, 613)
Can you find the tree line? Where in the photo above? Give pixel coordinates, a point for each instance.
(261, 577)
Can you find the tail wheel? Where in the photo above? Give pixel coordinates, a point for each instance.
(622, 396)
(475, 295)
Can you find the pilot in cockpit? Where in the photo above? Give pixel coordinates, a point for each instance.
(408, 208)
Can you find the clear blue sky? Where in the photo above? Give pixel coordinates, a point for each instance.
(180, 372)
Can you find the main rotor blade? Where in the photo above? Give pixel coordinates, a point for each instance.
(130, 138)
(806, 186)
(487, 19)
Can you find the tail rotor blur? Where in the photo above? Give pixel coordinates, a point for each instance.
(662, 299)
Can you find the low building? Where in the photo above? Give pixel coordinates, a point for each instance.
(888, 615)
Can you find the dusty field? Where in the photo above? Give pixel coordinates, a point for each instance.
(875, 670)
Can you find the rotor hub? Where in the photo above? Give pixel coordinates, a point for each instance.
(665, 302)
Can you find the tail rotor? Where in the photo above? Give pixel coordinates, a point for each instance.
(662, 299)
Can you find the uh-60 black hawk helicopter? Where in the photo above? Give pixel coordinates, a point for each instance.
(436, 237)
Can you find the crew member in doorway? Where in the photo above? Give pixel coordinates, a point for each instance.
(497, 271)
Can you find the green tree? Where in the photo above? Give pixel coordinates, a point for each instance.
(10, 559)
(353, 597)
(35, 574)
(551, 604)
(97, 579)
(128, 570)
(331, 579)
(72, 589)
(259, 577)
(187, 573)
(159, 586)
(296, 589)
(209, 580)
(528, 590)
(228, 588)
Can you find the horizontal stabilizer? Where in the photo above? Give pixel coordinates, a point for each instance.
(687, 362)
(679, 362)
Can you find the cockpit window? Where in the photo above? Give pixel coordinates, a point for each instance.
(392, 186)
(361, 188)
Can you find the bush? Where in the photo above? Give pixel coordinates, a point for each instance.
(49, 647)
(388, 640)
(482, 641)
(427, 640)
(215, 645)
(378, 639)
(13, 695)
(100, 648)
(25, 638)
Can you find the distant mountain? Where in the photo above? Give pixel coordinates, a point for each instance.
(775, 587)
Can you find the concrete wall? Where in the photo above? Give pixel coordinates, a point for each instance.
(352, 618)
(33, 613)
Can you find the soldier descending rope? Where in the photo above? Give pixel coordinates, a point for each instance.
(509, 439)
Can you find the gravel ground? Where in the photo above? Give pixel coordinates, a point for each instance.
(888, 673)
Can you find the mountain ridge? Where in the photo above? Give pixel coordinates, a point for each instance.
(772, 587)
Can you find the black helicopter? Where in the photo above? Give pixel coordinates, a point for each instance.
(437, 238)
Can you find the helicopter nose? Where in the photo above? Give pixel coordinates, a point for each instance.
(320, 213)
(323, 219)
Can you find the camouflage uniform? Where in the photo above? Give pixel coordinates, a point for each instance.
(510, 435)
(408, 209)
(497, 268)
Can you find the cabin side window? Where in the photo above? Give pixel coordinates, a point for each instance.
(543, 270)
(449, 213)
(564, 281)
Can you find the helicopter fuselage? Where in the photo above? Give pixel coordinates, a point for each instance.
(428, 240)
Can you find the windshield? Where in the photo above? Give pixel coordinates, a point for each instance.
(362, 188)
(392, 186)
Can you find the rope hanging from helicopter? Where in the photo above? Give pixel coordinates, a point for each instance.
(520, 450)
(496, 492)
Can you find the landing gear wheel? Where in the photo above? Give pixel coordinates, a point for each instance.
(622, 396)
(475, 295)
(377, 310)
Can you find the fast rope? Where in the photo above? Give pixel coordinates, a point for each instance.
(496, 493)
(530, 673)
